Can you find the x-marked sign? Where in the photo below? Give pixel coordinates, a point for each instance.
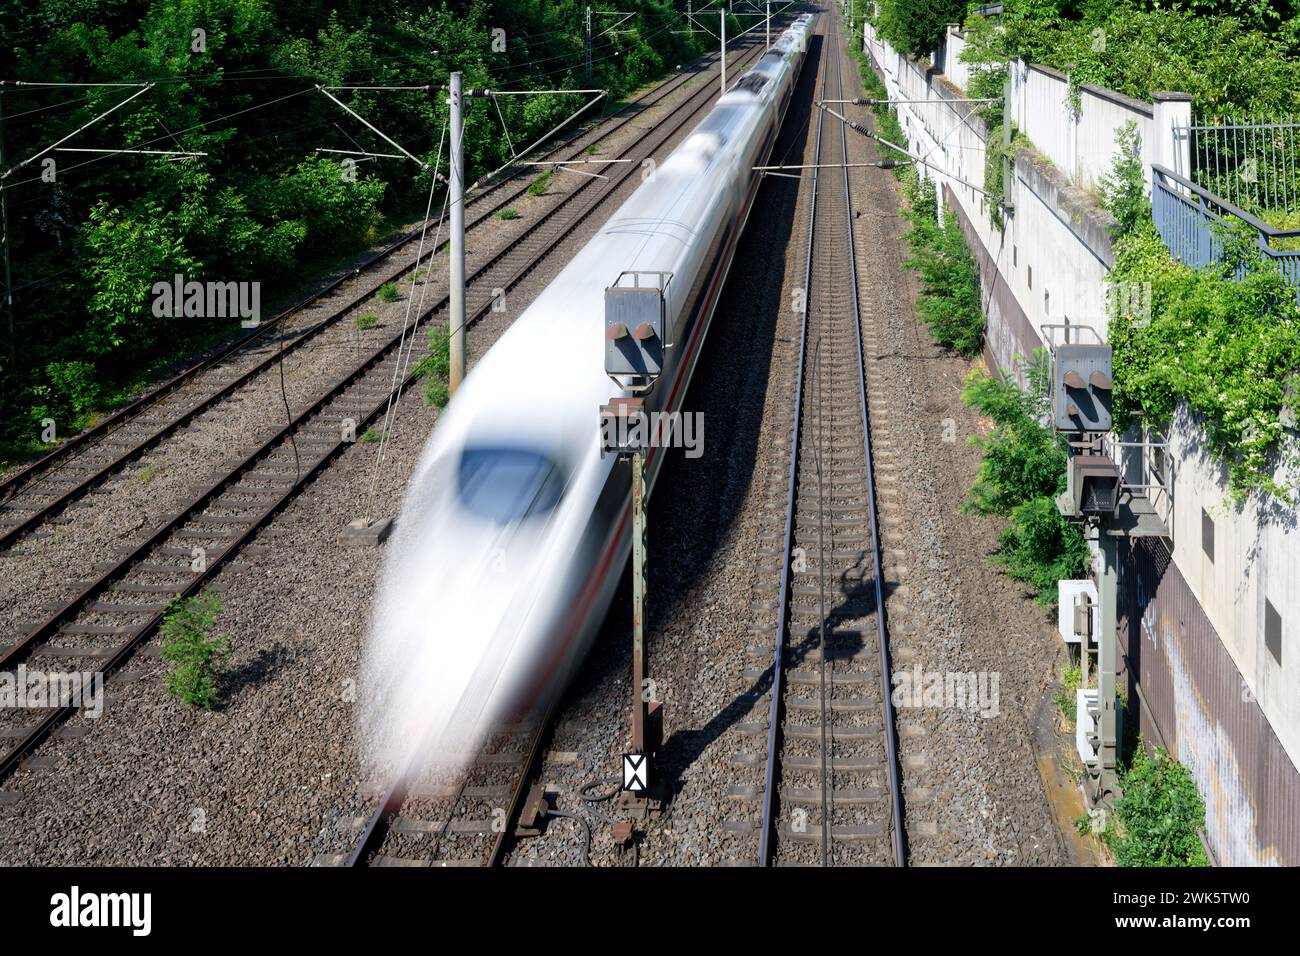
(635, 772)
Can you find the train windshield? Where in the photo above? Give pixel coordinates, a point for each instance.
(508, 484)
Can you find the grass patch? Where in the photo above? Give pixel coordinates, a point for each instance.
(372, 436)
(387, 292)
(148, 473)
(367, 321)
(542, 183)
(1066, 699)
(196, 655)
(507, 214)
(436, 367)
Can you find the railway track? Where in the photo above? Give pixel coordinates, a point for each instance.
(830, 792)
(465, 819)
(41, 490)
(115, 612)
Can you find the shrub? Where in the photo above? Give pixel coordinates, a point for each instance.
(1021, 472)
(1159, 815)
(950, 303)
(332, 207)
(1123, 189)
(1040, 548)
(196, 656)
(367, 320)
(74, 386)
(1221, 339)
(915, 26)
(387, 292)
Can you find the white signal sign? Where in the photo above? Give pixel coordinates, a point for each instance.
(635, 772)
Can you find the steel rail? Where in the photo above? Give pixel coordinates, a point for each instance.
(10, 760)
(11, 533)
(882, 630)
(390, 804)
(769, 816)
(11, 482)
(833, 65)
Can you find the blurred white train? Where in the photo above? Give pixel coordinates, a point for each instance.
(515, 530)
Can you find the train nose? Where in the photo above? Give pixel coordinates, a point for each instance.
(434, 662)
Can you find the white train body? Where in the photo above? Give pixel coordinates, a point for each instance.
(515, 530)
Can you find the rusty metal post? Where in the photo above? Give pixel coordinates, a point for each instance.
(639, 663)
(1108, 608)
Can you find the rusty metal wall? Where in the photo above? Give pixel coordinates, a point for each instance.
(1198, 706)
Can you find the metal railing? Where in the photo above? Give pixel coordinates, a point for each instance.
(1252, 162)
(1185, 214)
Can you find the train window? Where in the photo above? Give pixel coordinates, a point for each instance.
(508, 484)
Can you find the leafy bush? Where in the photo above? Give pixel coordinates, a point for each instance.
(1021, 473)
(197, 657)
(1040, 548)
(915, 26)
(950, 302)
(125, 253)
(74, 381)
(1229, 58)
(1123, 189)
(332, 208)
(1159, 815)
(1224, 339)
(261, 204)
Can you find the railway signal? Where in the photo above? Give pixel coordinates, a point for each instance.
(1097, 497)
(635, 341)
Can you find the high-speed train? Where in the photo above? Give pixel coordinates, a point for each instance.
(514, 531)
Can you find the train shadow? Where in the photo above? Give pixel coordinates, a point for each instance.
(855, 599)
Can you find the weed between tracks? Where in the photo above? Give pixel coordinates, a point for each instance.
(436, 366)
(195, 654)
